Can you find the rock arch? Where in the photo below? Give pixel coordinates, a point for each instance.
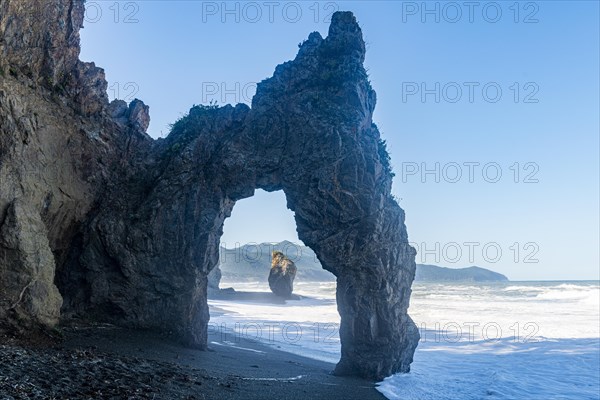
(140, 248)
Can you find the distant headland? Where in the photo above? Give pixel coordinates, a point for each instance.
(253, 262)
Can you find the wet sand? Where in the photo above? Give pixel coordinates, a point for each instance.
(230, 294)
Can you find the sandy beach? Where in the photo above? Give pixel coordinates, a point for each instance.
(104, 361)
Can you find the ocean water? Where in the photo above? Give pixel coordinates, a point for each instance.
(509, 340)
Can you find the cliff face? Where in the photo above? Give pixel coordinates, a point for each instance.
(59, 149)
(129, 227)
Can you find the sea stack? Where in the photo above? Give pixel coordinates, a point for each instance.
(281, 277)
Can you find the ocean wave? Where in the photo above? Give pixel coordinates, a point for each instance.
(588, 295)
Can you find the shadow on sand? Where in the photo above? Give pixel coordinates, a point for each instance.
(231, 294)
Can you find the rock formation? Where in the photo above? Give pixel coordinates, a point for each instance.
(130, 226)
(214, 279)
(282, 275)
(253, 262)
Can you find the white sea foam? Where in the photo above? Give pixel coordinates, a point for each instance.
(293, 378)
(552, 369)
(535, 340)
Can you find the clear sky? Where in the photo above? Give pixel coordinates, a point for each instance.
(466, 91)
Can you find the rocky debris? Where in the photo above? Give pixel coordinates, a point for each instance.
(101, 361)
(282, 274)
(133, 225)
(54, 373)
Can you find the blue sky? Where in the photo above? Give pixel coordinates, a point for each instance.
(495, 87)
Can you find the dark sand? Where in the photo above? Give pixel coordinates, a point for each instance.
(103, 361)
(230, 294)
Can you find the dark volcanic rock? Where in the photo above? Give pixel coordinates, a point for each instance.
(282, 275)
(214, 278)
(56, 161)
(130, 227)
(139, 115)
(40, 38)
(28, 290)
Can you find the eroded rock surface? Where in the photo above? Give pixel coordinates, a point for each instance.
(28, 295)
(130, 227)
(60, 149)
(282, 275)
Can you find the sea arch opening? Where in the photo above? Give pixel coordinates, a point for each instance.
(242, 307)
